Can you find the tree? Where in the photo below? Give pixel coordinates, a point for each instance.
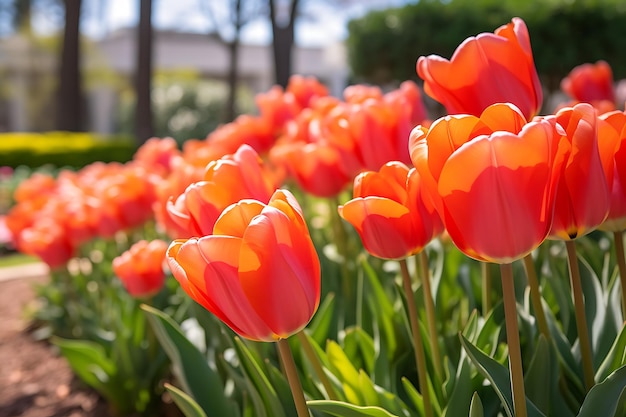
(70, 106)
(283, 18)
(228, 23)
(143, 77)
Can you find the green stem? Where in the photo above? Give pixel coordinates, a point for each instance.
(535, 296)
(292, 377)
(512, 340)
(418, 345)
(429, 304)
(486, 275)
(314, 360)
(581, 319)
(621, 264)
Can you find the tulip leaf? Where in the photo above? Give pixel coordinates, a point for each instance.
(499, 377)
(461, 396)
(341, 409)
(254, 373)
(199, 380)
(615, 358)
(541, 380)
(185, 403)
(604, 398)
(89, 361)
(476, 406)
(382, 309)
(321, 324)
(342, 367)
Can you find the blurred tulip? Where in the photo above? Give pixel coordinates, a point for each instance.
(226, 181)
(156, 154)
(47, 240)
(486, 69)
(141, 268)
(582, 201)
(389, 212)
(590, 83)
(258, 272)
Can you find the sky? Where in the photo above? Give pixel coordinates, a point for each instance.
(326, 23)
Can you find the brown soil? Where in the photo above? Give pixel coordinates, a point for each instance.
(34, 380)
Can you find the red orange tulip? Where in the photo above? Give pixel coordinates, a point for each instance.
(489, 68)
(612, 133)
(258, 272)
(226, 181)
(389, 212)
(590, 83)
(141, 268)
(582, 201)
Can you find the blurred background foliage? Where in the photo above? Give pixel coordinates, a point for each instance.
(383, 46)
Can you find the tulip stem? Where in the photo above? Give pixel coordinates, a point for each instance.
(581, 319)
(512, 340)
(535, 296)
(314, 360)
(418, 344)
(486, 275)
(429, 304)
(621, 264)
(292, 377)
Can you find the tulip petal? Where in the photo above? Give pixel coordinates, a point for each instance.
(235, 219)
(279, 272)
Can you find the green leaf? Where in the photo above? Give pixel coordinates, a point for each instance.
(476, 407)
(323, 319)
(615, 358)
(89, 361)
(604, 398)
(541, 380)
(381, 308)
(499, 377)
(185, 403)
(461, 395)
(342, 367)
(255, 374)
(341, 409)
(199, 380)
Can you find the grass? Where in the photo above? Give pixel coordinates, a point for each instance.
(16, 259)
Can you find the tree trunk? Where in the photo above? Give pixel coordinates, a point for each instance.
(70, 108)
(233, 69)
(143, 77)
(282, 42)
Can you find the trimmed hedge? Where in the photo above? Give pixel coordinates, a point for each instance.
(63, 149)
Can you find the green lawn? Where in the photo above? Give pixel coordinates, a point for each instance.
(16, 259)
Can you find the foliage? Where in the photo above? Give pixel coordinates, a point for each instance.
(62, 149)
(383, 46)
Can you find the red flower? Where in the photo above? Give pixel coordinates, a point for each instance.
(486, 69)
(590, 83)
(141, 268)
(226, 181)
(258, 272)
(612, 141)
(582, 201)
(389, 212)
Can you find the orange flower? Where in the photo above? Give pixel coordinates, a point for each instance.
(258, 272)
(582, 201)
(226, 181)
(430, 148)
(591, 83)
(141, 268)
(486, 69)
(389, 212)
(47, 240)
(498, 192)
(612, 134)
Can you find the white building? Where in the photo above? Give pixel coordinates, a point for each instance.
(20, 63)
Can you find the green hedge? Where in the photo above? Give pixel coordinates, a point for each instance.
(62, 149)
